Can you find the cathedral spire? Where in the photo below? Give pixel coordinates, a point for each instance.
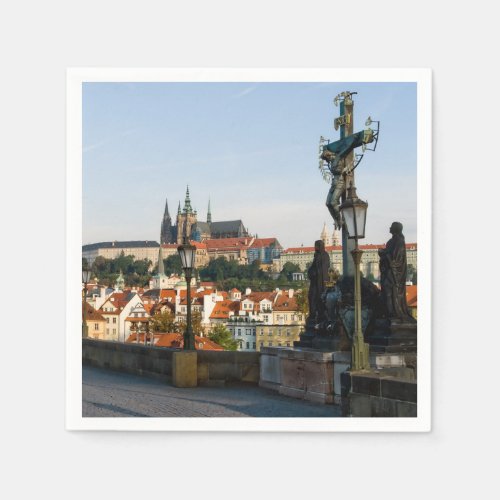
(166, 227)
(187, 202)
(209, 213)
(179, 209)
(325, 237)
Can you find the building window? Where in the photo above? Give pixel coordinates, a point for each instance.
(288, 344)
(96, 326)
(239, 332)
(288, 333)
(114, 320)
(254, 346)
(262, 331)
(248, 345)
(270, 333)
(261, 344)
(270, 344)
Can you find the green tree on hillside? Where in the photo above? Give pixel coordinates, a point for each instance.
(288, 269)
(172, 265)
(222, 336)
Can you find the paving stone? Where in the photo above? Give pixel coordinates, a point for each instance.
(107, 393)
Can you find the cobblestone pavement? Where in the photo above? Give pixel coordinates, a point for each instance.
(112, 394)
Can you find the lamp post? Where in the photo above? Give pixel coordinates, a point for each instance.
(187, 253)
(85, 278)
(354, 213)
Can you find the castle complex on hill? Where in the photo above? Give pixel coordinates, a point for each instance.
(187, 224)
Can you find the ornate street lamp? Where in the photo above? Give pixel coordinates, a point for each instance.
(354, 214)
(187, 253)
(85, 278)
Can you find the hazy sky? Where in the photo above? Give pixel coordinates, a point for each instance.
(251, 147)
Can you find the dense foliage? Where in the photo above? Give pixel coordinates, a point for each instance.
(222, 336)
(164, 323)
(135, 272)
(227, 274)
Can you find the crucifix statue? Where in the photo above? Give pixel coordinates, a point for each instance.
(338, 161)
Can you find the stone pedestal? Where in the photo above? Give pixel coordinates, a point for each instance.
(184, 369)
(393, 336)
(303, 373)
(299, 373)
(307, 374)
(319, 376)
(306, 337)
(378, 394)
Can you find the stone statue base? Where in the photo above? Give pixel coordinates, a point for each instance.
(393, 336)
(307, 337)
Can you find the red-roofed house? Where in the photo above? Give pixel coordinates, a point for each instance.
(230, 248)
(265, 250)
(266, 319)
(96, 323)
(115, 310)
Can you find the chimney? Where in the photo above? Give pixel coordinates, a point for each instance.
(290, 293)
(248, 291)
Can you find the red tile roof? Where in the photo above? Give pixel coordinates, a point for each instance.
(148, 307)
(228, 243)
(119, 299)
(411, 295)
(264, 242)
(183, 294)
(258, 296)
(162, 307)
(164, 294)
(285, 303)
(195, 301)
(176, 340)
(223, 308)
(199, 245)
(91, 314)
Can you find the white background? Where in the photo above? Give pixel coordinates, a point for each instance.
(39, 40)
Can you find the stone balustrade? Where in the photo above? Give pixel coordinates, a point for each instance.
(214, 367)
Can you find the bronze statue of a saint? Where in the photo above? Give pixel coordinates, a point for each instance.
(393, 269)
(318, 276)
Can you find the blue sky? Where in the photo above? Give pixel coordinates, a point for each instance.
(251, 147)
